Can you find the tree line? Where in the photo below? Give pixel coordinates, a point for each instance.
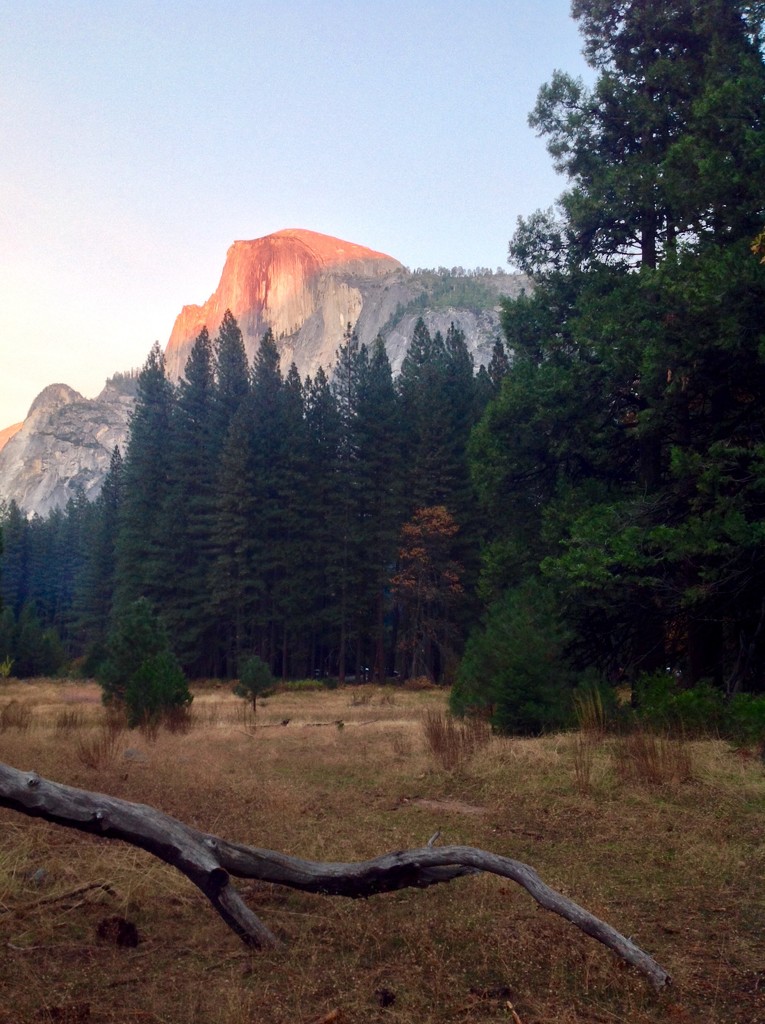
(325, 525)
(589, 510)
(622, 466)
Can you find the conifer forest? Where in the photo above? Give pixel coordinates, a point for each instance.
(586, 510)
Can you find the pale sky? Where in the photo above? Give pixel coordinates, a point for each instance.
(140, 139)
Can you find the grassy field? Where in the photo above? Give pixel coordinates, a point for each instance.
(664, 841)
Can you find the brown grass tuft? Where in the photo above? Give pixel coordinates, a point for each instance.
(647, 758)
(98, 748)
(451, 741)
(586, 745)
(69, 720)
(16, 715)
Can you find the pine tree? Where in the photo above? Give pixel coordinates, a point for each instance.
(232, 378)
(661, 154)
(324, 555)
(188, 512)
(499, 364)
(378, 433)
(345, 388)
(141, 565)
(233, 584)
(94, 594)
(14, 579)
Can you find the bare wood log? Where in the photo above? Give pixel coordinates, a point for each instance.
(209, 861)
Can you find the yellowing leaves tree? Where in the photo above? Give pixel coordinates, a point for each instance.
(428, 588)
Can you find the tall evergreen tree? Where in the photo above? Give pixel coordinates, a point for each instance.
(188, 512)
(232, 377)
(94, 594)
(141, 565)
(378, 433)
(662, 152)
(324, 430)
(345, 388)
(15, 578)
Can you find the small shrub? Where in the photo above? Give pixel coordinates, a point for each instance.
(140, 672)
(360, 698)
(178, 719)
(5, 668)
(115, 719)
(744, 719)
(514, 667)
(589, 710)
(157, 691)
(416, 684)
(452, 741)
(697, 711)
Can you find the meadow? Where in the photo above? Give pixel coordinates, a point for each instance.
(664, 839)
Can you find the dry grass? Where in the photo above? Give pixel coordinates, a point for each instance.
(645, 757)
(679, 866)
(453, 741)
(15, 715)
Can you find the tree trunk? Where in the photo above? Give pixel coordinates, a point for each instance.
(208, 861)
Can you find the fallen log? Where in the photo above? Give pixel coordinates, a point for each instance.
(209, 862)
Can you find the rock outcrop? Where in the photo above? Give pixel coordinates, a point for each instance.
(65, 443)
(7, 434)
(307, 288)
(303, 285)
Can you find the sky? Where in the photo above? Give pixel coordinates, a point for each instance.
(140, 138)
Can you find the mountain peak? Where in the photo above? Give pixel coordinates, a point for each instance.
(326, 249)
(304, 285)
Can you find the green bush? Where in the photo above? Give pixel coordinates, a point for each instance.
(140, 671)
(513, 669)
(156, 688)
(744, 719)
(696, 711)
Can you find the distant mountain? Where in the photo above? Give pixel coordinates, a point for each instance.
(65, 443)
(306, 287)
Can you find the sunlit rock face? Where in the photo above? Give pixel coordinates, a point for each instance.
(303, 285)
(65, 443)
(7, 434)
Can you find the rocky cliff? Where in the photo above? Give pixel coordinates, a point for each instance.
(65, 442)
(303, 285)
(7, 434)
(306, 287)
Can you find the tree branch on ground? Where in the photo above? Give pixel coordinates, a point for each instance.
(209, 861)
